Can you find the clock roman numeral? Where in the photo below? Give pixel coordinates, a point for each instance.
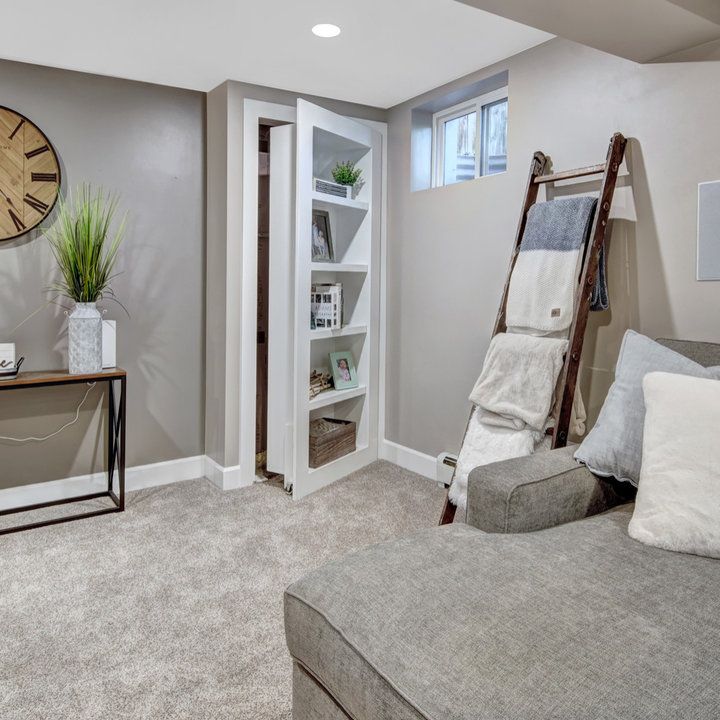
(19, 226)
(15, 131)
(35, 204)
(43, 177)
(37, 151)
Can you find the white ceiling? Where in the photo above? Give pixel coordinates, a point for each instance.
(389, 50)
(639, 30)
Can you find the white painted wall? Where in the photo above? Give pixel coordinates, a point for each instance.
(146, 143)
(448, 248)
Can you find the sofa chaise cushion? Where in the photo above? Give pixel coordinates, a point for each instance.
(576, 621)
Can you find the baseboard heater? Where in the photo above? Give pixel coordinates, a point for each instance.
(445, 467)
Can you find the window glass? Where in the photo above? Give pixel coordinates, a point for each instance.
(459, 145)
(494, 150)
(470, 139)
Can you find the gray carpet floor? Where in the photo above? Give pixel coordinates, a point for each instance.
(173, 609)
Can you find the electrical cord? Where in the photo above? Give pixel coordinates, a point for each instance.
(57, 432)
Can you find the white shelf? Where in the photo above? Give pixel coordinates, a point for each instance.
(318, 197)
(358, 449)
(330, 397)
(339, 267)
(322, 333)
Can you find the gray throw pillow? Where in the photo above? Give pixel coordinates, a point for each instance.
(613, 448)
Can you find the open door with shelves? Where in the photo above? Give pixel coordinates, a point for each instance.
(337, 241)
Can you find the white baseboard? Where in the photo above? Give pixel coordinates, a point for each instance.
(171, 471)
(136, 478)
(226, 478)
(164, 473)
(410, 459)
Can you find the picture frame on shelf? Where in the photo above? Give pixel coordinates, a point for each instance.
(343, 369)
(322, 246)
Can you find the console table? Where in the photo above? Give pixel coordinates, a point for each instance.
(115, 439)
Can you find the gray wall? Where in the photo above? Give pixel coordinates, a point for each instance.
(147, 143)
(449, 247)
(224, 254)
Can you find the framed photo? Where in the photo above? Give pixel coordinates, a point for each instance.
(322, 248)
(342, 365)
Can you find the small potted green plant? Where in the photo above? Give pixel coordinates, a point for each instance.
(347, 181)
(345, 173)
(86, 251)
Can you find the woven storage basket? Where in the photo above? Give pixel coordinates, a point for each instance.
(330, 439)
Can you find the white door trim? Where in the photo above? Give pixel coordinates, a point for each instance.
(253, 112)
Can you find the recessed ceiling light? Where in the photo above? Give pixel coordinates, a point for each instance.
(326, 30)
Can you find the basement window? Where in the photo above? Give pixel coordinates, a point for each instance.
(470, 139)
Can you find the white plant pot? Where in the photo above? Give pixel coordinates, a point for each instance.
(85, 339)
(327, 187)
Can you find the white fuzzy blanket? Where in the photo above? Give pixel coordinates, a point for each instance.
(516, 387)
(486, 444)
(513, 397)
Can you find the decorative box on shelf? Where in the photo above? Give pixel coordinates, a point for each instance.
(327, 187)
(330, 439)
(7, 355)
(8, 367)
(326, 306)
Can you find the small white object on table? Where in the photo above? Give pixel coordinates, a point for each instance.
(7, 357)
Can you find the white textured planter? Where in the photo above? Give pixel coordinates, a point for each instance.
(85, 339)
(348, 192)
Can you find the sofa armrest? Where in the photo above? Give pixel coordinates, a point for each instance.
(538, 491)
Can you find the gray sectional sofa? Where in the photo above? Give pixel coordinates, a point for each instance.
(539, 607)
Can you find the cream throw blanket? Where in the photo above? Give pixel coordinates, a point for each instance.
(513, 397)
(516, 387)
(486, 444)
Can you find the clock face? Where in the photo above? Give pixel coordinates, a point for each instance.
(29, 175)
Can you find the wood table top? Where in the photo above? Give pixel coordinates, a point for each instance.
(59, 377)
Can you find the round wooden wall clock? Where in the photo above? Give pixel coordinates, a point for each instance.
(29, 175)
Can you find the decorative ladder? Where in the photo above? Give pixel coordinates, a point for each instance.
(568, 376)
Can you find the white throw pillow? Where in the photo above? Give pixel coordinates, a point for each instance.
(678, 499)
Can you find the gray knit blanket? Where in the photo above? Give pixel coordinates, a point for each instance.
(543, 284)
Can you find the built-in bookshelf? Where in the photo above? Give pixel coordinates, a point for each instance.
(323, 139)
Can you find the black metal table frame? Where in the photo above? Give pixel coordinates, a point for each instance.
(115, 455)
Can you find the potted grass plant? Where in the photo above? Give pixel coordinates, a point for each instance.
(86, 250)
(345, 173)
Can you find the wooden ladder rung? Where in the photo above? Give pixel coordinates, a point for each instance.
(570, 174)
